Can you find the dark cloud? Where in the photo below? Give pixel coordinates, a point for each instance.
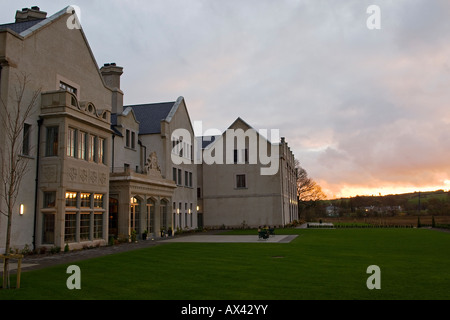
(362, 109)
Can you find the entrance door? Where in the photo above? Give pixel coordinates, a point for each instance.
(113, 220)
(200, 220)
(134, 214)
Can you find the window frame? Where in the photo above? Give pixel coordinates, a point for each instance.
(52, 141)
(238, 182)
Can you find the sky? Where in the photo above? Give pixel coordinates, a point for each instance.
(365, 110)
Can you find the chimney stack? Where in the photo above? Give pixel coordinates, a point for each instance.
(111, 74)
(29, 14)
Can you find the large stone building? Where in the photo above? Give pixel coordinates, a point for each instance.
(66, 138)
(97, 168)
(148, 191)
(245, 180)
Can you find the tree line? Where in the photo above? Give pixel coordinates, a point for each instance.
(312, 202)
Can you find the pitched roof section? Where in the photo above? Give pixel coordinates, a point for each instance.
(150, 115)
(25, 28)
(20, 27)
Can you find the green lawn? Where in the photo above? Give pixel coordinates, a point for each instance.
(319, 264)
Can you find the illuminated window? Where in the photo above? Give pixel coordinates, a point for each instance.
(71, 199)
(98, 200)
(85, 200)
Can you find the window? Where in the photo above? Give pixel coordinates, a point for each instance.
(26, 139)
(48, 230)
(174, 174)
(133, 140)
(199, 192)
(71, 199)
(82, 140)
(70, 227)
(98, 225)
(190, 214)
(163, 214)
(101, 150)
(71, 142)
(190, 179)
(66, 87)
(51, 142)
(85, 225)
(241, 181)
(85, 200)
(179, 177)
(98, 201)
(186, 179)
(241, 156)
(91, 148)
(127, 138)
(49, 199)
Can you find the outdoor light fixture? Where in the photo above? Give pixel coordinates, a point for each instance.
(178, 211)
(22, 209)
(198, 208)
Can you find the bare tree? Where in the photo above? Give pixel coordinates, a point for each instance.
(13, 166)
(307, 188)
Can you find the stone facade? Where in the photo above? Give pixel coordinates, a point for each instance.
(236, 192)
(97, 168)
(65, 191)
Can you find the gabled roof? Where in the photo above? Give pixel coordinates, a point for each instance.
(150, 115)
(20, 27)
(26, 29)
(209, 141)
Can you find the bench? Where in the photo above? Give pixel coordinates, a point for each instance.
(263, 234)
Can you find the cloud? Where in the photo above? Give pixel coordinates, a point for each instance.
(361, 109)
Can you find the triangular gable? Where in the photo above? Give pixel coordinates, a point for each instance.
(63, 13)
(232, 126)
(127, 111)
(175, 109)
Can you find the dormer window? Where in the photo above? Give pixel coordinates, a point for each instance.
(64, 86)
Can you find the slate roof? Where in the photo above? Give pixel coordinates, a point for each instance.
(207, 140)
(149, 116)
(20, 27)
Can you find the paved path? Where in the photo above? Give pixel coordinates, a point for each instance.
(234, 239)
